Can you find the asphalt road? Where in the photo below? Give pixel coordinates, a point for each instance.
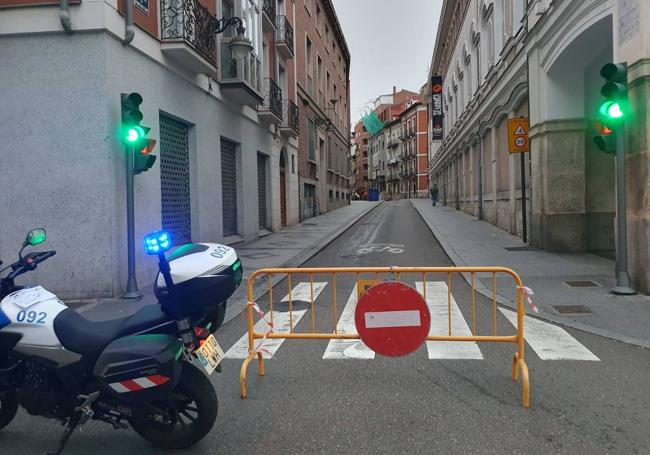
(412, 404)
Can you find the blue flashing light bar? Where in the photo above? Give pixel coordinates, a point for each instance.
(157, 242)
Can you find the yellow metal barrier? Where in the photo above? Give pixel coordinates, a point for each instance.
(394, 273)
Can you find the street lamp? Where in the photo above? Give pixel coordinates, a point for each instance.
(240, 46)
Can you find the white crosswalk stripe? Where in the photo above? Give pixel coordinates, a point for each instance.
(302, 291)
(436, 297)
(348, 349)
(549, 341)
(281, 323)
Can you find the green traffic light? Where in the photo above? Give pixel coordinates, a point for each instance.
(614, 111)
(611, 109)
(134, 134)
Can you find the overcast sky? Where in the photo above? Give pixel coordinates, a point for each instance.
(391, 43)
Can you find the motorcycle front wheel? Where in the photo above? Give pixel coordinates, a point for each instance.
(8, 407)
(193, 408)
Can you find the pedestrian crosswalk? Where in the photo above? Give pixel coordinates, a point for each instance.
(547, 340)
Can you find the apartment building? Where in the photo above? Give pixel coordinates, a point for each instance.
(414, 176)
(227, 127)
(360, 184)
(323, 68)
(393, 168)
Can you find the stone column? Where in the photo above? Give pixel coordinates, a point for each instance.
(558, 185)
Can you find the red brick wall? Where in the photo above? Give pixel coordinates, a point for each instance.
(149, 23)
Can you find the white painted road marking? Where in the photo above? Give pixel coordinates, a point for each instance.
(549, 341)
(302, 291)
(281, 325)
(281, 322)
(381, 319)
(348, 349)
(438, 307)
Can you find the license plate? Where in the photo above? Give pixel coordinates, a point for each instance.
(209, 354)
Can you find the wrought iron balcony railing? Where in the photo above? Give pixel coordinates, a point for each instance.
(272, 98)
(290, 116)
(189, 21)
(284, 35)
(269, 9)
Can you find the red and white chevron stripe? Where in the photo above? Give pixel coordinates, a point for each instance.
(133, 385)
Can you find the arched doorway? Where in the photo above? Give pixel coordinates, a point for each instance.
(283, 188)
(578, 198)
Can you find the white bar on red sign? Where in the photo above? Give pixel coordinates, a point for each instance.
(439, 307)
(385, 319)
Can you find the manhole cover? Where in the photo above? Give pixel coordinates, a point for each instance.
(581, 284)
(310, 224)
(520, 248)
(571, 309)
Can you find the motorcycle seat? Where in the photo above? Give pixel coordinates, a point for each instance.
(89, 338)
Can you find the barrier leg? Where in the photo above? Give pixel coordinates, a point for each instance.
(242, 376)
(525, 384)
(260, 364)
(515, 366)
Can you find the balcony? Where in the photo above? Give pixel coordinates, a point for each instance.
(290, 126)
(284, 37)
(270, 111)
(186, 35)
(241, 79)
(269, 15)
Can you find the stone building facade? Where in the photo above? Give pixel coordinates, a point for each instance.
(503, 59)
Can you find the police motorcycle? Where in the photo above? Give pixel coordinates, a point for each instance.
(149, 370)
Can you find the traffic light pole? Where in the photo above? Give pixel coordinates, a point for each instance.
(623, 286)
(132, 291)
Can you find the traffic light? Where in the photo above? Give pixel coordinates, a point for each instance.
(615, 107)
(142, 159)
(606, 138)
(131, 131)
(135, 135)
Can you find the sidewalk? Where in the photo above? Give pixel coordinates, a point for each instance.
(290, 247)
(470, 242)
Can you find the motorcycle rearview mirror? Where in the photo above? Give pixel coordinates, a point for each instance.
(34, 237)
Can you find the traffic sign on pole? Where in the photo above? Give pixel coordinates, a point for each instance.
(392, 319)
(518, 135)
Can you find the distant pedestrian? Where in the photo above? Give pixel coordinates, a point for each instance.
(434, 194)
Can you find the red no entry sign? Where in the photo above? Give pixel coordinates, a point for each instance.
(392, 319)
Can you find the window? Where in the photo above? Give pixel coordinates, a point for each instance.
(328, 86)
(310, 67)
(327, 37)
(319, 81)
(293, 164)
(310, 140)
(318, 20)
(308, 6)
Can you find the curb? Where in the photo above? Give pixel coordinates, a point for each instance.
(234, 306)
(457, 260)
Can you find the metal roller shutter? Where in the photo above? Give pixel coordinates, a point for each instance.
(175, 179)
(229, 187)
(261, 190)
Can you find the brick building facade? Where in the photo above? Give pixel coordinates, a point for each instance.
(323, 65)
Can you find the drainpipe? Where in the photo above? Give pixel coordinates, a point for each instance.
(480, 177)
(129, 30)
(64, 17)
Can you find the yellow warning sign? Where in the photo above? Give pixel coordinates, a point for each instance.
(517, 135)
